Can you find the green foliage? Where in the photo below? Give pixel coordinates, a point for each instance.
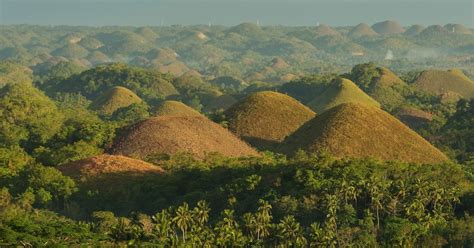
(29, 117)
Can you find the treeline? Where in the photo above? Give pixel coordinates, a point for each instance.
(308, 201)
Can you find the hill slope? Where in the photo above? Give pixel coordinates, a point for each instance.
(340, 91)
(175, 134)
(388, 27)
(441, 82)
(175, 108)
(358, 130)
(115, 98)
(265, 118)
(362, 30)
(98, 166)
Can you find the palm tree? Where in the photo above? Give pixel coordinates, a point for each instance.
(291, 232)
(183, 219)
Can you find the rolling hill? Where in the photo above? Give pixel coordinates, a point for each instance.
(168, 135)
(175, 108)
(359, 130)
(340, 91)
(388, 27)
(113, 99)
(441, 82)
(265, 118)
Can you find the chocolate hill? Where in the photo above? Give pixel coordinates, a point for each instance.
(360, 130)
(340, 91)
(168, 135)
(113, 99)
(266, 118)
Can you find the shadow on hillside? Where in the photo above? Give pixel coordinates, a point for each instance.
(124, 193)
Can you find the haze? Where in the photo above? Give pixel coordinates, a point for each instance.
(231, 12)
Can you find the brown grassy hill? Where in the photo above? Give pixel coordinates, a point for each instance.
(362, 30)
(90, 168)
(434, 30)
(387, 77)
(175, 108)
(414, 30)
(388, 27)
(266, 118)
(359, 130)
(458, 29)
(413, 117)
(340, 91)
(177, 134)
(113, 99)
(440, 82)
(279, 64)
(324, 30)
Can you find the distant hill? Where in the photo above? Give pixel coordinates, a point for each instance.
(413, 117)
(266, 118)
(359, 130)
(222, 102)
(388, 27)
(414, 30)
(340, 91)
(175, 108)
(434, 30)
(113, 99)
(362, 30)
(440, 82)
(458, 29)
(95, 82)
(247, 29)
(167, 135)
(324, 30)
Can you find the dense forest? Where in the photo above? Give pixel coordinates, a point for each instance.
(245, 136)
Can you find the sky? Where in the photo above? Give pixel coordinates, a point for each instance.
(233, 12)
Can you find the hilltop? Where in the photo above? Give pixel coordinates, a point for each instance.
(105, 166)
(414, 30)
(265, 118)
(441, 82)
(175, 108)
(340, 91)
(362, 30)
(359, 130)
(167, 135)
(388, 27)
(113, 99)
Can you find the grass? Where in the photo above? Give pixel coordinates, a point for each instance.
(175, 108)
(168, 135)
(359, 130)
(340, 91)
(265, 118)
(441, 82)
(362, 30)
(113, 99)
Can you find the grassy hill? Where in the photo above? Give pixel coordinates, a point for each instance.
(115, 98)
(414, 30)
(265, 118)
(175, 108)
(340, 91)
(388, 27)
(362, 30)
(359, 130)
(413, 117)
(91, 169)
(167, 135)
(440, 82)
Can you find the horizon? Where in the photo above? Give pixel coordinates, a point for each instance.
(202, 12)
